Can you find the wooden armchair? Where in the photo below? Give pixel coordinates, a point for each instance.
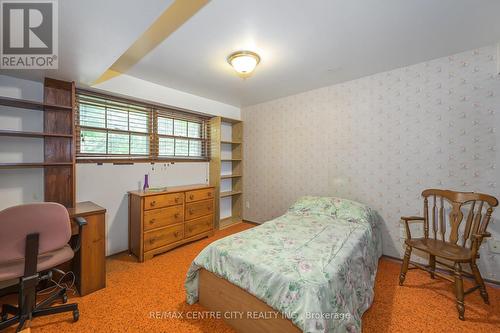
(459, 244)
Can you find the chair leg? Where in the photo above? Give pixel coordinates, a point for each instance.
(9, 322)
(480, 282)
(9, 309)
(459, 291)
(404, 266)
(432, 265)
(58, 309)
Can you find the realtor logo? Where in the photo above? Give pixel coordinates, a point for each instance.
(29, 38)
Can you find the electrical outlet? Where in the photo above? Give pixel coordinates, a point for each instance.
(247, 204)
(494, 246)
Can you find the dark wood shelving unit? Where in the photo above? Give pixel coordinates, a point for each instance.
(58, 139)
(32, 105)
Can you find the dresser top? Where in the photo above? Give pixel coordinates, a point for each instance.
(171, 189)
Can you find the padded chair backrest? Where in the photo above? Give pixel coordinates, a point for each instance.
(49, 219)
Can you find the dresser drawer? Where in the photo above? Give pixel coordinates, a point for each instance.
(197, 195)
(199, 208)
(197, 226)
(163, 200)
(161, 237)
(161, 217)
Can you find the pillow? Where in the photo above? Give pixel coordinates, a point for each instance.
(309, 205)
(338, 208)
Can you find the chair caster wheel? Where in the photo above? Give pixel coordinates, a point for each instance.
(64, 298)
(76, 315)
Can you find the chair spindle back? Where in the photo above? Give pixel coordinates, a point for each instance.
(459, 204)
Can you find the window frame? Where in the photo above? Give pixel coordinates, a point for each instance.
(154, 112)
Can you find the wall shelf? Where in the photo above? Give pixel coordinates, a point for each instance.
(33, 134)
(33, 165)
(231, 142)
(229, 221)
(58, 155)
(229, 193)
(227, 178)
(32, 105)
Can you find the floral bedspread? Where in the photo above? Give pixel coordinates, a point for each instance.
(316, 264)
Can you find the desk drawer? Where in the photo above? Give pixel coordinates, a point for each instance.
(197, 226)
(161, 237)
(199, 208)
(162, 217)
(197, 195)
(163, 200)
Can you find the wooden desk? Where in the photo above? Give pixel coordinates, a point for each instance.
(89, 264)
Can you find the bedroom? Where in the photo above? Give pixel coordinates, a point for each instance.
(232, 166)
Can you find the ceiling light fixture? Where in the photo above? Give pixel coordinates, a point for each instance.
(243, 62)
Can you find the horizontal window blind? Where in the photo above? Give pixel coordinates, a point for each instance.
(180, 134)
(112, 128)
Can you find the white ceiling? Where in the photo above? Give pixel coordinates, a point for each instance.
(93, 34)
(303, 44)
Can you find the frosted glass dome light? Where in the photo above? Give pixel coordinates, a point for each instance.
(244, 62)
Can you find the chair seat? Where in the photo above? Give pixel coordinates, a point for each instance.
(441, 248)
(15, 269)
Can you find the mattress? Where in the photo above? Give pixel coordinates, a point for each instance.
(316, 264)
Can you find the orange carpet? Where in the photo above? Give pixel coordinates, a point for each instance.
(135, 290)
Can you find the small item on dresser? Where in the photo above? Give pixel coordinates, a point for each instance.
(146, 182)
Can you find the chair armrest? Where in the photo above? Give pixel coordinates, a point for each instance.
(406, 219)
(81, 223)
(482, 235)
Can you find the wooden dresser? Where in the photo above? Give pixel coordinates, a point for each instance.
(160, 221)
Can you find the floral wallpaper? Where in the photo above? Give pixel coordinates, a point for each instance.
(381, 140)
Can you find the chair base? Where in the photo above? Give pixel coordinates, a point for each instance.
(457, 278)
(43, 308)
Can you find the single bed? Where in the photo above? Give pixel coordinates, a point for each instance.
(311, 270)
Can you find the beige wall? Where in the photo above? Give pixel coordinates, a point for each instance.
(380, 140)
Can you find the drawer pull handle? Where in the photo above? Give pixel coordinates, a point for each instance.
(176, 200)
(176, 234)
(153, 203)
(190, 229)
(191, 211)
(191, 197)
(176, 215)
(209, 194)
(152, 221)
(151, 241)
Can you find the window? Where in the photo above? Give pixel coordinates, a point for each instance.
(111, 128)
(179, 137)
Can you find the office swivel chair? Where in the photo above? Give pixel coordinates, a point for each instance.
(33, 240)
